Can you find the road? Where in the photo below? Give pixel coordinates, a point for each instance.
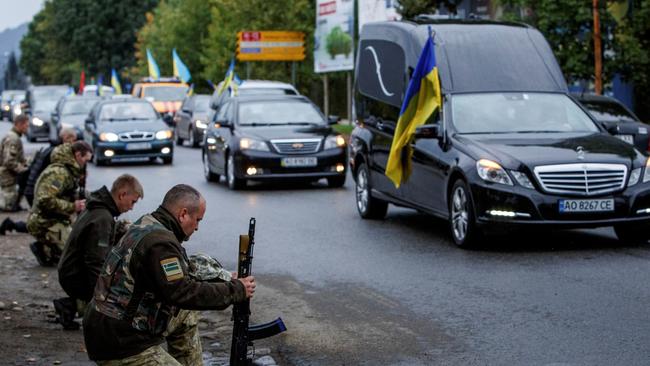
(397, 292)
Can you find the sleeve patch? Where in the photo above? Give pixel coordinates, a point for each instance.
(172, 269)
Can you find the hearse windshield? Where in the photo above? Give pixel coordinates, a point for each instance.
(518, 113)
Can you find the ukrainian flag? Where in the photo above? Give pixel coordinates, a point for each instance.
(115, 82)
(423, 97)
(180, 70)
(228, 80)
(154, 71)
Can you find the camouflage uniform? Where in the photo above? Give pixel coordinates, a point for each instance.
(145, 283)
(12, 163)
(51, 216)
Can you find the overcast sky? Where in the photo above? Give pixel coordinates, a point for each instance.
(16, 12)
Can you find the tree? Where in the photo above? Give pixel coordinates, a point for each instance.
(13, 76)
(411, 8)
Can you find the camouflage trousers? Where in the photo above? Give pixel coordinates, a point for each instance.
(183, 345)
(9, 195)
(53, 237)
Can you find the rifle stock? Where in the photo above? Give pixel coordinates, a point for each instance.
(244, 334)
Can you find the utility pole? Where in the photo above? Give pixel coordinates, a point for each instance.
(597, 51)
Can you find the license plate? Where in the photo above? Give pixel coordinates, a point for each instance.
(138, 146)
(627, 138)
(602, 205)
(298, 162)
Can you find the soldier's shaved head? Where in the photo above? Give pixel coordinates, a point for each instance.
(182, 196)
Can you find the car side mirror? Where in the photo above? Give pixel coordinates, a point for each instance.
(431, 131)
(55, 117)
(224, 123)
(89, 124)
(332, 120)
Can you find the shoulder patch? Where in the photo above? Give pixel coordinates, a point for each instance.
(172, 269)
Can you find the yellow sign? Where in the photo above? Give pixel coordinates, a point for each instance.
(270, 46)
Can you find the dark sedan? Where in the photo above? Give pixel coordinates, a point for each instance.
(617, 120)
(41, 101)
(272, 137)
(127, 130)
(192, 119)
(71, 112)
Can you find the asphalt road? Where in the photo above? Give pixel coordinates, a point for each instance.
(398, 292)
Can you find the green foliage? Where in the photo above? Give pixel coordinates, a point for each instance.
(411, 8)
(568, 26)
(68, 35)
(338, 43)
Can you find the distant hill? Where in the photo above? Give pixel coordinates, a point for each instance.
(10, 41)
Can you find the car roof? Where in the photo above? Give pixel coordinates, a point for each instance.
(123, 101)
(79, 97)
(271, 97)
(476, 55)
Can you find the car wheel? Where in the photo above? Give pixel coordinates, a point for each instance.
(461, 216)
(193, 141)
(336, 182)
(178, 139)
(207, 173)
(234, 183)
(629, 234)
(168, 160)
(368, 206)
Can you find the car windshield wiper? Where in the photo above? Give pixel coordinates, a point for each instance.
(255, 124)
(540, 131)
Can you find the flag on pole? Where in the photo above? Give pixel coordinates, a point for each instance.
(423, 97)
(82, 82)
(115, 82)
(211, 84)
(100, 82)
(180, 70)
(227, 80)
(154, 71)
(190, 91)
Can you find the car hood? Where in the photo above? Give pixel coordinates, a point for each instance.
(285, 132)
(128, 126)
(514, 150)
(76, 120)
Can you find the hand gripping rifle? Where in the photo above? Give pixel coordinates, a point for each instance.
(243, 335)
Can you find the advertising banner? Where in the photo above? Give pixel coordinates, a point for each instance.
(334, 36)
(377, 10)
(270, 46)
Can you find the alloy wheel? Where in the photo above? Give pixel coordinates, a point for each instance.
(459, 213)
(362, 190)
(231, 171)
(206, 166)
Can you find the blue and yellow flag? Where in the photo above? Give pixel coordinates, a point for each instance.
(115, 82)
(154, 71)
(180, 70)
(423, 97)
(230, 75)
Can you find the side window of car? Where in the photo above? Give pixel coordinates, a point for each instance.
(221, 114)
(380, 112)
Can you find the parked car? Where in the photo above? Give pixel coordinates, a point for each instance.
(509, 148)
(262, 137)
(617, 119)
(166, 95)
(128, 129)
(192, 119)
(16, 106)
(5, 102)
(41, 101)
(71, 112)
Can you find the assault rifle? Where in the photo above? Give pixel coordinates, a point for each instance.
(243, 335)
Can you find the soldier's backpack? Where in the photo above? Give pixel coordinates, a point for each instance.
(40, 162)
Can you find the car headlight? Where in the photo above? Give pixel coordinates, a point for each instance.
(37, 122)
(646, 171)
(17, 110)
(164, 134)
(108, 137)
(252, 144)
(200, 124)
(332, 142)
(634, 177)
(522, 179)
(6, 108)
(491, 171)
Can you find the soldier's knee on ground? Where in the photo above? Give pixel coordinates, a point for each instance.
(152, 356)
(183, 340)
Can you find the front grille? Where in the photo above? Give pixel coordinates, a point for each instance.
(296, 146)
(136, 136)
(581, 179)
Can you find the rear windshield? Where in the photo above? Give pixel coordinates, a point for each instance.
(265, 91)
(165, 93)
(127, 112)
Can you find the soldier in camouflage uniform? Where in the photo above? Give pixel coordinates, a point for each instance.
(55, 201)
(146, 281)
(12, 163)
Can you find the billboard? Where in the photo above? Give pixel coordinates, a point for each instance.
(334, 36)
(270, 46)
(377, 10)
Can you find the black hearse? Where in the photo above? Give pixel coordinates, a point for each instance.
(509, 145)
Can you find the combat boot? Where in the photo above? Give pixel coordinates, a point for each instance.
(7, 225)
(39, 253)
(65, 309)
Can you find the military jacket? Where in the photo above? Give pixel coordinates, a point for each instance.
(144, 281)
(12, 158)
(55, 191)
